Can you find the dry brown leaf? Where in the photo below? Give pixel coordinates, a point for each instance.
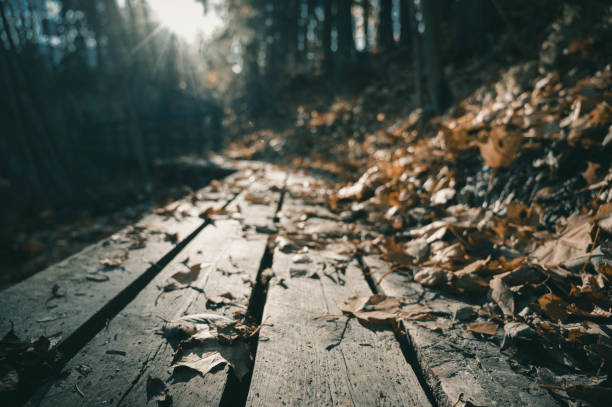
(215, 340)
(196, 267)
(502, 295)
(114, 262)
(606, 270)
(432, 277)
(590, 174)
(257, 199)
(171, 237)
(416, 312)
(520, 214)
(375, 309)
(501, 147)
(572, 243)
(554, 306)
(168, 209)
(209, 212)
(485, 328)
(437, 325)
(394, 253)
(359, 190)
(182, 279)
(158, 392)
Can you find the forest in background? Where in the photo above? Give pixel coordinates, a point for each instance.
(466, 143)
(100, 89)
(102, 94)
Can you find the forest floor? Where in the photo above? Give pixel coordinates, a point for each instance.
(504, 200)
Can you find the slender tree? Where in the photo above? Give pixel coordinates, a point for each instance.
(326, 37)
(385, 25)
(404, 19)
(438, 87)
(346, 42)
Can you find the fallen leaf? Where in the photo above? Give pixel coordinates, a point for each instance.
(171, 237)
(182, 279)
(501, 147)
(502, 295)
(158, 392)
(553, 306)
(257, 199)
(442, 196)
(168, 209)
(519, 214)
(431, 277)
(572, 243)
(210, 212)
(415, 313)
(590, 174)
(115, 261)
(375, 309)
(485, 328)
(395, 253)
(437, 325)
(285, 245)
(213, 340)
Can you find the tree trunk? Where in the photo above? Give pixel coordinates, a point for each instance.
(404, 18)
(385, 26)
(326, 40)
(417, 53)
(367, 7)
(346, 44)
(438, 88)
(37, 118)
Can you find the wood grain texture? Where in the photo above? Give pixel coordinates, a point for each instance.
(230, 264)
(453, 362)
(331, 361)
(87, 285)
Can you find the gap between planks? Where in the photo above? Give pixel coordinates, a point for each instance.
(125, 376)
(328, 361)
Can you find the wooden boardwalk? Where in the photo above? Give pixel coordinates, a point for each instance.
(259, 248)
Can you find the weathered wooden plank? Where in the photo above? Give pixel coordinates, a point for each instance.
(65, 299)
(230, 264)
(454, 364)
(336, 361)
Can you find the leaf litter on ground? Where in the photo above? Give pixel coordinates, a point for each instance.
(209, 341)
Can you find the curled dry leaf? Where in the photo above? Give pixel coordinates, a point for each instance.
(376, 309)
(212, 340)
(431, 277)
(439, 324)
(520, 214)
(158, 392)
(210, 212)
(501, 147)
(590, 174)
(502, 295)
(484, 328)
(115, 261)
(257, 199)
(168, 209)
(572, 243)
(285, 245)
(554, 306)
(183, 279)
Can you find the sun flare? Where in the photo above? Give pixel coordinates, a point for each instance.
(186, 18)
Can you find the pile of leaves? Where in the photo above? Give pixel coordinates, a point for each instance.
(24, 364)
(209, 341)
(504, 200)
